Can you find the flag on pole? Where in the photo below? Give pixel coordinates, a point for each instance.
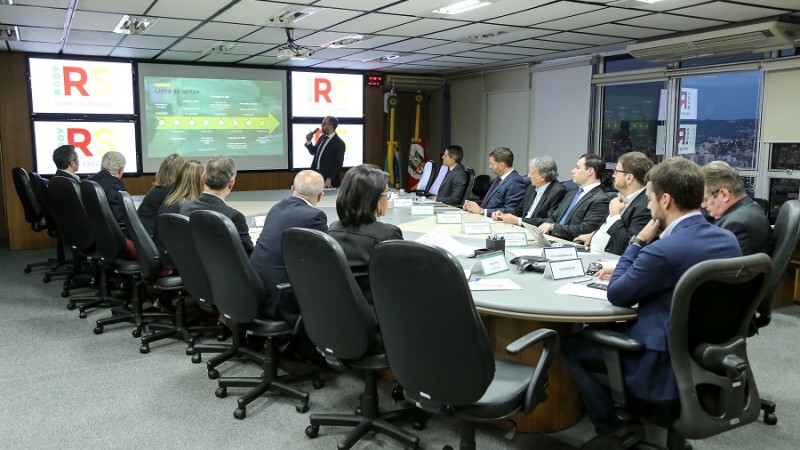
(416, 153)
(392, 164)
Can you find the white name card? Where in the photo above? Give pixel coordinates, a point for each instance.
(513, 238)
(259, 221)
(403, 202)
(422, 210)
(567, 268)
(477, 228)
(494, 262)
(448, 217)
(560, 253)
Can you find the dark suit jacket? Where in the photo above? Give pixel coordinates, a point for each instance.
(631, 222)
(332, 158)
(358, 244)
(267, 257)
(211, 202)
(746, 220)
(148, 209)
(453, 189)
(507, 196)
(586, 217)
(64, 173)
(546, 206)
(111, 186)
(647, 276)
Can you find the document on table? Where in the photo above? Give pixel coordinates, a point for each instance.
(494, 284)
(582, 290)
(438, 237)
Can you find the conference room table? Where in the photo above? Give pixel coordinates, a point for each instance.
(507, 314)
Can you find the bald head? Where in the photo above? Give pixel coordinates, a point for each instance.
(308, 185)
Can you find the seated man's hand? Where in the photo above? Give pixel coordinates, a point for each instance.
(585, 239)
(546, 228)
(615, 206)
(509, 218)
(650, 231)
(606, 271)
(472, 207)
(328, 183)
(431, 197)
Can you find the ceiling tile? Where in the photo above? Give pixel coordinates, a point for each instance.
(171, 27)
(89, 50)
(350, 4)
(521, 51)
(323, 19)
(40, 34)
(453, 47)
(365, 56)
(334, 53)
(371, 41)
(245, 48)
(137, 53)
(727, 11)
(546, 13)
(592, 18)
(463, 59)
(493, 55)
(261, 60)
(34, 47)
(583, 38)
(115, 6)
(222, 31)
(499, 9)
(193, 45)
(517, 35)
(370, 23)
(297, 62)
(149, 42)
(412, 45)
(671, 22)
(369, 66)
(273, 36)
(422, 27)
(785, 4)
(172, 55)
(250, 12)
(334, 64)
(221, 58)
(95, 21)
(93, 38)
(32, 16)
(625, 31)
(473, 29)
(180, 9)
(48, 3)
(549, 45)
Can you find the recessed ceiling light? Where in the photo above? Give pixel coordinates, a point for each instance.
(9, 33)
(345, 41)
(460, 7)
(648, 1)
(133, 25)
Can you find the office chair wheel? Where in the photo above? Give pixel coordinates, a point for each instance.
(240, 413)
(317, 384)
(302, 408)
(770, 418)
(447, 447)
(221, 392)
(190, 350)
(191, 343)
(197, 358)
(70, 306)
(65, 294)
(397, 394)
(27, 269)
(312, 431)
(46, 279)
(137, 332)
(98, 330)
(144, 349)
(213, 374)
(358, 411)
(82, 314)
(418, 425)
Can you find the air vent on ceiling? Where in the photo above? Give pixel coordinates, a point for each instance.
(413, 83)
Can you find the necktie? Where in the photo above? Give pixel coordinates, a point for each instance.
(491, 191)
(320, 145)
(533, 205)
(571, 207)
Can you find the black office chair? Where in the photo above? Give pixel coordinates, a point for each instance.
(176, 232)
(426, 179)
(436, 344)
(34, 213)
(764, 204)
(470, 184)
(39, 187)
(712, 307)
(238, 294)
(342, 326)
(480, 187)
(786, 235)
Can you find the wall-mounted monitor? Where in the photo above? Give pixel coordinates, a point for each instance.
(351, 134)
(65, 86)
(200, 112)
(316, 94)
(91, 140)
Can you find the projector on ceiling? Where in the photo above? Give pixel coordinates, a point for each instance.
(295, 52)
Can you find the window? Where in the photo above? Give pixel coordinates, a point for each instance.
(785, 157)
(624, 63)
(780, 191)
(631, 120)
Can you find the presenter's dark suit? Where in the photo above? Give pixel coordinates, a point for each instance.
(586, 217)
(647, 276)
(746, 220)
(148, 209)
(546, 206)
(111, 186)
(211, 202)
(332, 158)
(64, 173)
(508, 195)
(454, 187)
(633, 219)
(358, 244)
(267, 257)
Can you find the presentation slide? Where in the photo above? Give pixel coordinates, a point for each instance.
(317, 94)
(200, 112)
(91, 140)
(352, 135)
(62, 86)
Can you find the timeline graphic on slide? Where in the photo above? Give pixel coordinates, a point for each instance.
(200, 117)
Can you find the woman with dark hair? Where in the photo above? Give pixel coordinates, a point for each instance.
(363, 198)
(165, 178)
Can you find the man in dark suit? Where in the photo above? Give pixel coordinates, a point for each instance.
(541, 198)
(110, 179)
(728, 203)
(298, 210)
(218, 181)
(454, 186)
(646, 275)
(328, 152)
(66, 160)
(584, 210)
(507, 189)
(628, 213)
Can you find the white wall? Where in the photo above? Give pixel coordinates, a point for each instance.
(468, 112)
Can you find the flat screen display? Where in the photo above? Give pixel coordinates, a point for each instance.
(317, 94)
(91, 140)
(61, 86)
(352, 135)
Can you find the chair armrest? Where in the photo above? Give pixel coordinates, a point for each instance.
(284, 286)
(536, 392)
(532, 338)
(613, 339)
(358, 275)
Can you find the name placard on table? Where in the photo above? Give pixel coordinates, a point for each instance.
(491, 263)
(513, 238)
(560, 253)
(568, 268)
(403, 202)
(422, 210)
(449, 217)
(477, 227)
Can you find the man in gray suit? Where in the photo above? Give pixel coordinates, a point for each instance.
(541, 198)
(454, 186)
(728, 203)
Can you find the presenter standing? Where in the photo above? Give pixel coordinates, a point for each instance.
(328, 152)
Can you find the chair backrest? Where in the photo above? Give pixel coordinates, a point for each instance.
(470, 184)
(335, 313)
(146, 251)
(69, 214)
(39, 187)
(437, 183)
(426, 178)
(109, 240)
(481, 186)
(176, 233)
(763, 203)
(786, 234)
(31, 207)
(432, 333)
(712, 306)
(235, 286)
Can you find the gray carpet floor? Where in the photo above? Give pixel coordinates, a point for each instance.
(64, 387)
